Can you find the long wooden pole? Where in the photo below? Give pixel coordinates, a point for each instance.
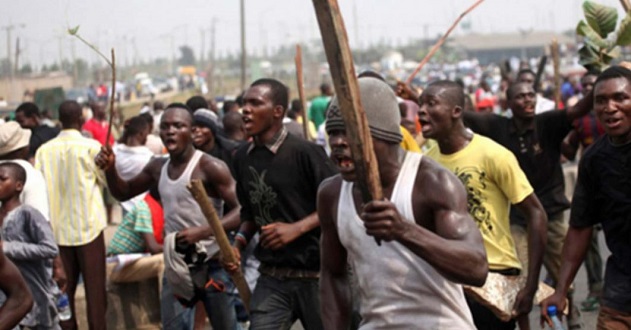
(554, 51)
(196, 187)
(112, 96)
(440, 42)
(626, 5)
(340, 60)
(301, 92)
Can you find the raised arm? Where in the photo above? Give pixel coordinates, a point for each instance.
(335, 295)
(454, 245)
(121, 189)
(19, 300)
(581, 108)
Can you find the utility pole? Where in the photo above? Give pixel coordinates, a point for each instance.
(10, 28)
(243, 52)
(211, 78)
(16, 67)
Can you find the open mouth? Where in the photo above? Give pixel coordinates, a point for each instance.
(613, 122)
(345, 163)
(529, 109)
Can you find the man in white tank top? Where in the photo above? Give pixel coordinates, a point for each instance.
(182, 214)
(429, 243)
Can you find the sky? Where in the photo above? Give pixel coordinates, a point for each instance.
(155, 28)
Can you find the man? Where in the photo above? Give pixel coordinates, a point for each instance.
(319, 105)
(494, 181)
(207, 137)
(586, 131)
(603, 195)
(182, 215)
(18, 299)
(77, 213)
(28, 116)
(233, 126)
(535, 139)
(278, 175)
(97, 126)
(528, 76)
(429, 244)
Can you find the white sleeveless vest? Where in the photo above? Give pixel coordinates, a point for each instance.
(398, 289)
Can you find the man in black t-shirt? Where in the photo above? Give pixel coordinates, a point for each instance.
(28, 116)
(278, 176)
(535, 139)
(603, 195)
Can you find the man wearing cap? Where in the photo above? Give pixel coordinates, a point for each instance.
(429, 243)
(278, 175)
(208, 138)
(74, 185)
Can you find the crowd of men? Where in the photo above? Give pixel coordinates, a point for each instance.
(472, 199)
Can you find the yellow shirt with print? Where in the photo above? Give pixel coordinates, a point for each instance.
(494, 181)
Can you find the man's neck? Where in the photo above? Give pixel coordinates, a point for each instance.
(390, 161)
(457, 140)
(269, 135)
(209, 146)
(184, 157)
(522, 124)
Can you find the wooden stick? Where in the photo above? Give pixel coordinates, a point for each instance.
(301, 92)
(112, 95)
(340, 60)
(540, 69)
(554, 51)
(440, 42)
(626, 5)
(196, 187)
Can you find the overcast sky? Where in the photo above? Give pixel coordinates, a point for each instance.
(148, 28)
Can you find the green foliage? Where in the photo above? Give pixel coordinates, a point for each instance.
(600, 38)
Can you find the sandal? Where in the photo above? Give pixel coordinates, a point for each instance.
(590, 304)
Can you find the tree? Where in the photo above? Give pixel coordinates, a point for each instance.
(187, 57)
(26, 69)
(600, 38)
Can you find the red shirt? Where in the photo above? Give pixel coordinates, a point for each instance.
(98, 130)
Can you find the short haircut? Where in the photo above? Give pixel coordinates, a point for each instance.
(147, 117)
(227, 105)
(70, 113)
(158, 105)
(181, 106)
(134, 126)
(614, 72)
(16, 171)
(454, 92)
(232, 122)
(197, 102)
(29, 109)
(279, 92)
(324, 88)
(511, 87)
(525, 71)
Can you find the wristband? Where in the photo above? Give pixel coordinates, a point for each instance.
(241, 238)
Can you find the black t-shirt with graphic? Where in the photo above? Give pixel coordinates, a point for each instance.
(603, 195)
(283, 187)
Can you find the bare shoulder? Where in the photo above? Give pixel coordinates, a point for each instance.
(329, 189)
(432, 175)
(212, 166)
(436, 188)
(154, 167)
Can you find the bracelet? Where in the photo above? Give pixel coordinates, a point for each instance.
(241, 238)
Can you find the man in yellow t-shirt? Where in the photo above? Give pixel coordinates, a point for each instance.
(494, 181)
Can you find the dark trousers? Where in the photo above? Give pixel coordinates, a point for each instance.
(277, 303)
(87, 260)
(484, 319)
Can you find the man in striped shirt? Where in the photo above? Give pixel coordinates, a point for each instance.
(77, 213)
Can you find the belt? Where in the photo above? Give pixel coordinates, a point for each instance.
(284, 272)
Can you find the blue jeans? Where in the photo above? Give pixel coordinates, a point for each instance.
(218, 304)
(277, 303)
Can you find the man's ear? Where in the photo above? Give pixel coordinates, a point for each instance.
(19, 186)
(279, 111)
(456, 112)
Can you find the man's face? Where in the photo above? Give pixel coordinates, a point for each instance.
(341, 154)
(435, 113)
(98, 111)
(202, 135)
(522, 101)
(587, 83)
(24, 121)
(612, 104)
(259, 113)
(175, 130)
